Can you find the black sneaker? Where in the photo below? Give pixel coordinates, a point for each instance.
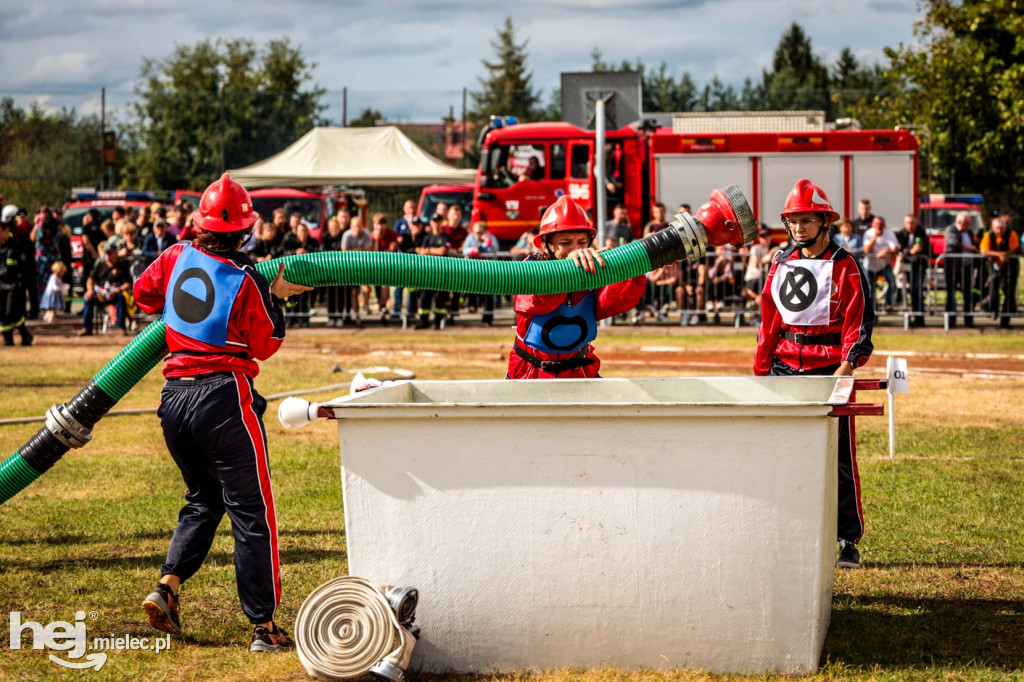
(161, 607)
(269, 642)
(849, 557)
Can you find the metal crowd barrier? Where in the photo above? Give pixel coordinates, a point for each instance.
(686, 302)
(399, 311)
(985, 287)
(698, 293)
(709, 291)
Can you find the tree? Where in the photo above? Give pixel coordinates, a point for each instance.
(719, 97)
(43, 154)
(216, 105)
(965, 82)
(553, 110)
(798, 79)
(846, 72)
(661, 91)
(751, 96)
(599, 64)
(852, 85)
(507, 89)
(367, 118)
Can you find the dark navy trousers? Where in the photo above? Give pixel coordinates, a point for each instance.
(850, 524)
(213, 426)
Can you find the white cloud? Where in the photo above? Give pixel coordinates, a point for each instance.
(62, 68)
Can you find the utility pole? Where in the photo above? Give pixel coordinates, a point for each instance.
(464, 131)
(599, 179)
(223, 166)
(344, 107)
(103, 128)
(601, 200)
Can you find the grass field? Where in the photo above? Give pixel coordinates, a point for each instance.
(941, 597)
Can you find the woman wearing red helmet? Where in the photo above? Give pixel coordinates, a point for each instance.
(817, 320)
(221, 316)
(554, 331)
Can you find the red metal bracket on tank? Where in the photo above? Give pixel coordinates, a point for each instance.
(855, 409)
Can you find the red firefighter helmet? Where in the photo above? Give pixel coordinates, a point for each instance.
(806, 196)
(225, 207)
(565, 215)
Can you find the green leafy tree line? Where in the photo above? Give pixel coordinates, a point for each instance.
(798, 79)
(964, 81)
(507, 87)
(217, 105)
(43, 154)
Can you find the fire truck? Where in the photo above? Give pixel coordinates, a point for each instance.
(82, 200)
(939, 211)
(681, 158)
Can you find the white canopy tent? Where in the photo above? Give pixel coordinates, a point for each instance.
(350, 156)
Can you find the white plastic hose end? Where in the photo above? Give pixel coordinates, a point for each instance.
(294, 413)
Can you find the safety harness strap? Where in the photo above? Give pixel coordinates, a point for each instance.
(198, 353)
(580, 359)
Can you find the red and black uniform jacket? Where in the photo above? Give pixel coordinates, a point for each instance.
(851, 316)
(255, 326)
(612, 300)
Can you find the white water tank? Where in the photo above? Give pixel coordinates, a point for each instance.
(603, 522)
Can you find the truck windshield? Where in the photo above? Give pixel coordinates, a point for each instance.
(72, 217)
(506, 164)
(430, 202)
(944, 217)
(308, 208)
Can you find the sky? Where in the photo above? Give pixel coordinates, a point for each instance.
(409, 58)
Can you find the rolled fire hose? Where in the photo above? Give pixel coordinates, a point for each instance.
(350, 627)
(725, 219)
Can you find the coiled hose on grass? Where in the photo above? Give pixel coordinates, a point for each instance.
(347, 629)
(70, 425)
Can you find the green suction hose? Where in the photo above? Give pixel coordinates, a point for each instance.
(70, 425)
(474, 276)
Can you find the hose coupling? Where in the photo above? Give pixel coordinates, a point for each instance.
(66, 428)
(693, 235)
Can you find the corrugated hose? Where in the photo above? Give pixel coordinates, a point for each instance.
(70, 425)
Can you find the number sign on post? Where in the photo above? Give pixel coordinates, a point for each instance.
(896, 369)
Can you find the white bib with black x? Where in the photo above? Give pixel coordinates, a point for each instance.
(802, 289)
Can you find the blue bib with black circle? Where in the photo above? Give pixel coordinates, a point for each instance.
(200, 295)
(566, 329)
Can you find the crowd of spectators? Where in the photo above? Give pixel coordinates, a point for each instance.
(445, 234)
(116, 248)
(985, 278)
(982, 267)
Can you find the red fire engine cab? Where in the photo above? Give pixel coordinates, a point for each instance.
(526, 167)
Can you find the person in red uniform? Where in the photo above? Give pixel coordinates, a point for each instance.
(554, 331)
(817, 320)
(221, 316)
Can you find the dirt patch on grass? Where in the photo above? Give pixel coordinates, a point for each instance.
(665, 356)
